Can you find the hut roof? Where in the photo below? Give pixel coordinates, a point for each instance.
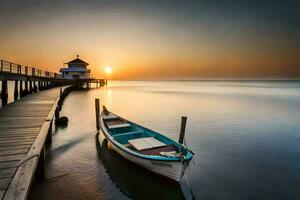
(78, 61)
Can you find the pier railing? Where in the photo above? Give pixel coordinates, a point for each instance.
(9, 67)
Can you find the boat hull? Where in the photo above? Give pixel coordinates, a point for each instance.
(171, 170)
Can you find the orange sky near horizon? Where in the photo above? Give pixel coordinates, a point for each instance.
(150, 42)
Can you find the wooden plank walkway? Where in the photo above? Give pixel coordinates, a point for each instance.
(24, 126)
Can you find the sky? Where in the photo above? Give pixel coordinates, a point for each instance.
(154, 40)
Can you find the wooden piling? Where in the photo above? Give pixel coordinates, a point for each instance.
(30, 87)
(40, 168)
(97, 109)
(21, 89)
(4, 93)
(26, 91)
(39, 85)
(182, 129)
(33, 85)
(56, 113)
(49, 136)
(60, 92)
(16, 92)
(35, 89)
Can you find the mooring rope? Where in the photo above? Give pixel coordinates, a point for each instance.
(22, 161)
(190, 188)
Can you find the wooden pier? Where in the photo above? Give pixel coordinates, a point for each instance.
(26, 124)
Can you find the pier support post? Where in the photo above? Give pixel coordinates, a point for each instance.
(16, 92)
(21, 89)
(4, 93)
(56, 113)
(182, 129)
(39, 85)
(49, 135)
(60, 92)
(30, 87)
(26, 91)
(34, 87)
(40, 172)
(97, 109)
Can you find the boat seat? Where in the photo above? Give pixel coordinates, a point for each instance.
(145, 143)
(123, 125)
(161, 151)
(172, 154)
(109, 116)
(154, 142)
(126, 133)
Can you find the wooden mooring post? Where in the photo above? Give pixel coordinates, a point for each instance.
(97, 109)
(182, 129)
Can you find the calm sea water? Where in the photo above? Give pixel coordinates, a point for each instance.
(245, 135)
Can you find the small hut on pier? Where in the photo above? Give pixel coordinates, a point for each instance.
(77, 69)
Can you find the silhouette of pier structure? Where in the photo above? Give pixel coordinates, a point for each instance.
(29, 80)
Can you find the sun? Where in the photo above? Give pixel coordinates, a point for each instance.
(107, 70)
